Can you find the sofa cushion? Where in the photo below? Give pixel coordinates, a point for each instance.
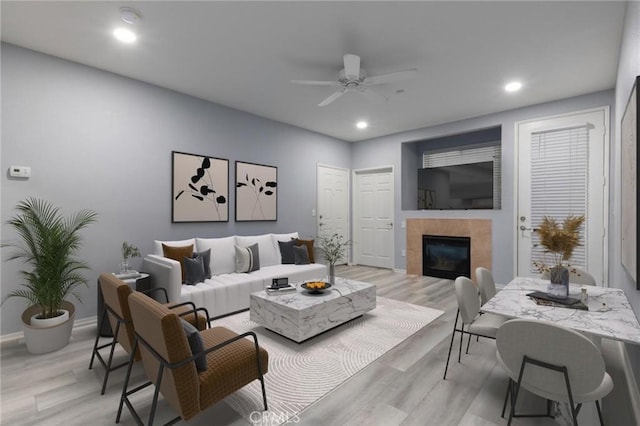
(247, 258)
(178, 253)
(286, 251)
(309, 245)
(300, 255)
(223, 255)
(157, 244)
(268, 253)
(194, 270)
(206, 261)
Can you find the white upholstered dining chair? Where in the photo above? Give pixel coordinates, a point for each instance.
(553, 362)
(486, 284)
(485, 325)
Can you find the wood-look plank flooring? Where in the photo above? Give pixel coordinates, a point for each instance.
(403, 387)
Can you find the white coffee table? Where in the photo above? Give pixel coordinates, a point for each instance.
(300, 315)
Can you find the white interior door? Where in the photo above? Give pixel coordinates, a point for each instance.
(561, 168)
(373, 218)
(333, 202)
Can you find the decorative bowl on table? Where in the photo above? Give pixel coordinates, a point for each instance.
(316, 287)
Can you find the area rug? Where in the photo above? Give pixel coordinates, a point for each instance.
(300, 374)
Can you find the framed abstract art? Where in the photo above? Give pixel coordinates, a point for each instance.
(199, 188)
(629, 129)
(256, 192)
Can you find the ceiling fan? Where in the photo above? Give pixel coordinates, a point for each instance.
(352, 78)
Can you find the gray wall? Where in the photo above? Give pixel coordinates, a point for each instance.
(101, 141)
(388, 151)
(628, 69)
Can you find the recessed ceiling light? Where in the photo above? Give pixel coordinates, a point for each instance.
(362, 124)
(125, 35)
(514, 86)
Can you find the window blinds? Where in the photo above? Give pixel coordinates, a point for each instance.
(559, 182)
(469, 156)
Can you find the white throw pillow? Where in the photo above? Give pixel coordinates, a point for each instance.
(223, 257)
(268, 253)
(158, 245)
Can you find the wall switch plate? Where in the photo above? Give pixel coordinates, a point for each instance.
(20, 171)
(313, 212)
(403, 224)
(404, 253)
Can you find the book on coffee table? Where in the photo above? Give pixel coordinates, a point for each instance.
(280, 289)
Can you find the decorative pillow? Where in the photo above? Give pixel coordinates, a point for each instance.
(178, 253)
(301, 255)
(309, 245)
(286, 251)
(247, 258)
(206, 261)
(194, 270)
(195, 343)
(157, 245)
(268, 249)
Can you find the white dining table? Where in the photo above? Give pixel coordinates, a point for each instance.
(609, 316)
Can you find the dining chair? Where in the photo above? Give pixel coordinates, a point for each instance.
(192, 369)
(486, 284)
(576, 276)
(553, 362)
(485, 325)
(117, 312)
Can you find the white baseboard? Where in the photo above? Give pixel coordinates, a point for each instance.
(18, 337)
(400, 271)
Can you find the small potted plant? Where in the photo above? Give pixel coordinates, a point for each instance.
(47, 245)
(333, 247)
(559, 241)
(128, 252)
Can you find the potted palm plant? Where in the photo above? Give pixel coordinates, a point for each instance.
(47, 245)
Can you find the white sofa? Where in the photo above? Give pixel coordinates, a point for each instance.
(227, 291)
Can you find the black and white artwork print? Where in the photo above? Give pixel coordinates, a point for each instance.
(256, 192)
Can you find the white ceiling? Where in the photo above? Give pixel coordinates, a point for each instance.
(243, 54)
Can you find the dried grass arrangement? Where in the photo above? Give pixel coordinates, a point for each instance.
(559, 240)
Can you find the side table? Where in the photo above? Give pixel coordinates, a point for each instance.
(143, 282)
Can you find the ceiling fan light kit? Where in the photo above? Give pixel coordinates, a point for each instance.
(354, 78)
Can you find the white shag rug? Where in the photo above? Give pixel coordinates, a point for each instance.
(300, 374)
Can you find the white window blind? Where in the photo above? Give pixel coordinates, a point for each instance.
(469, 156)
(559, 182)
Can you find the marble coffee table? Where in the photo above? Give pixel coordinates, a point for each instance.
(300, 315)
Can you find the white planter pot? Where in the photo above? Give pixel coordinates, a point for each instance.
(43, 340)
(49, 322)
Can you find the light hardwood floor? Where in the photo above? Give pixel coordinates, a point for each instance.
(403, 387)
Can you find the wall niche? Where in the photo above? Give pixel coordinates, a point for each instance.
(418, 196)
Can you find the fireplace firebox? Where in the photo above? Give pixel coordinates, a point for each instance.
(446, 256)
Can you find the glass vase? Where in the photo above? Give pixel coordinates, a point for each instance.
(558, 282)
(332, 273)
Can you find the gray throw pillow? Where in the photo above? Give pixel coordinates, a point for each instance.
(301, 255)
(194, 270)
(206, 260)
(247, 258)
(286, 251)
(195, 343)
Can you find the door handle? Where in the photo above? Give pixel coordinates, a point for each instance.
(391, 225)
(524, 228)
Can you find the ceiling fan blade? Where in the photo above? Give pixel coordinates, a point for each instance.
(391, 77)
(374, 96)
(316, 83)
(351, 66)
(332, 98)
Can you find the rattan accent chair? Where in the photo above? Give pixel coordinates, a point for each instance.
(116, 293)
(232, 361)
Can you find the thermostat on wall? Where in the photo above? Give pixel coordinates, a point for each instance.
(20, 171)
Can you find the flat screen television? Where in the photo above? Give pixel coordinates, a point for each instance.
(459, 187)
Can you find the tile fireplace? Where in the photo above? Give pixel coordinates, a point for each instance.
(446, 257)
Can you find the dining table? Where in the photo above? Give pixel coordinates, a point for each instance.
(607, 312)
